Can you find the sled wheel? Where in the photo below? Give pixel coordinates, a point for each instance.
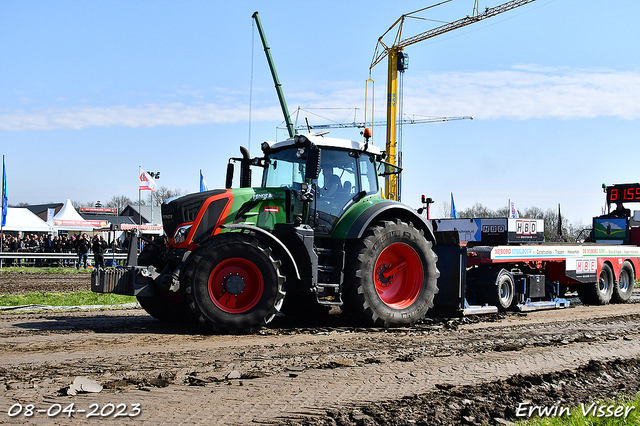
(598, 293)
(391, 275)
(234, 284)
(623, 288)
(166, 306)
(501, 293)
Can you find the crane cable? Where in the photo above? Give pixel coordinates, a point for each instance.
(253, 34)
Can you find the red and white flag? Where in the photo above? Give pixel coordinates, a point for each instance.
(146, 182)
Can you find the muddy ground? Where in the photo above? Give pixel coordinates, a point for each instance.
(29, 282)
(473, 370)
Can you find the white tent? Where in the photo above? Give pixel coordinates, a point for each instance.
(68, 219)
(21, 219)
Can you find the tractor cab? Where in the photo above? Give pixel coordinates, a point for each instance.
(327, 175)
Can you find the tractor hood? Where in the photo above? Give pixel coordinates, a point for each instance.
(191, 219)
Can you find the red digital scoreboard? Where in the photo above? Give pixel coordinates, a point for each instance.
(627, 193)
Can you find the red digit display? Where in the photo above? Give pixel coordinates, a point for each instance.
(623, 193)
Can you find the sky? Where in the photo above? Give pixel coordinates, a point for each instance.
(91, 91)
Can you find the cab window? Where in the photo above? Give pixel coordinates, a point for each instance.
(336, 186)
(368, 174)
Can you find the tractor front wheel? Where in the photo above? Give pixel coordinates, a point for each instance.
(391, 275)
(165, 306)
(234, 284)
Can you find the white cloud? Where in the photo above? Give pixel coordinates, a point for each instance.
(173, 114)
(528, 92)
(523, 92)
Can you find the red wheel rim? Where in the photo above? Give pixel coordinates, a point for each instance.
(398, 276)
(236, 285)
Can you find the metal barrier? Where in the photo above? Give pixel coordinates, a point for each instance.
(22, 258)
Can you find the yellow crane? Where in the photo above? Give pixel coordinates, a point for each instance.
(398, 63)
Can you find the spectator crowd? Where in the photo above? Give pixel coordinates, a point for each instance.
(64, 243)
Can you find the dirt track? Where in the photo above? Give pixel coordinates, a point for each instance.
(326, 374)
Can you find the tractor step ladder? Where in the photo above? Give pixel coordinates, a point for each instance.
(329, 292)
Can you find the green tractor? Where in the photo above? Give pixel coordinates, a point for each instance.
(315, 234)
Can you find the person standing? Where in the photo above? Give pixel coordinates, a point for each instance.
(82, 247)
(98, 246)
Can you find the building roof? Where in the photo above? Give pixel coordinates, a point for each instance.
(118, 220)
(145, 212)
(38, 209)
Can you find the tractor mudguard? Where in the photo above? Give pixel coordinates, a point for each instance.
(269, 237)
(390, 211)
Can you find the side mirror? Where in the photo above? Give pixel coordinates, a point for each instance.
(313, 163)
(229, 179)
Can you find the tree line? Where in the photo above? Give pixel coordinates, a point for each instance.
(119, 202)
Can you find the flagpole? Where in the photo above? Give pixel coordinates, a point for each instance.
(139, 212)
(4, 190)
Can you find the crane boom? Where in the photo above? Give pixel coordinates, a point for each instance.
(398, 62)
(274, 75)
(362, 124)
(468, 20)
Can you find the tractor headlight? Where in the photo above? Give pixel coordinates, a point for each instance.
(181, 234)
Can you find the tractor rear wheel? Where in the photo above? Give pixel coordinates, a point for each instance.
(391, 275)
(624, 286)
(234, 284)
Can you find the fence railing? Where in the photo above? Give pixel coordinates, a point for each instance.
(22, 258)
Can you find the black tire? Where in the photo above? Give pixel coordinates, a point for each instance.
(406, 294)
(303, 309)
(227, 303)
(623, 287)
(598, 293)
(501, 293)
(151, 255)
(166, 306)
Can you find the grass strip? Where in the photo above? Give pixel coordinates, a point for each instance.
(46, 270)
(618, 412)
(79, 298)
